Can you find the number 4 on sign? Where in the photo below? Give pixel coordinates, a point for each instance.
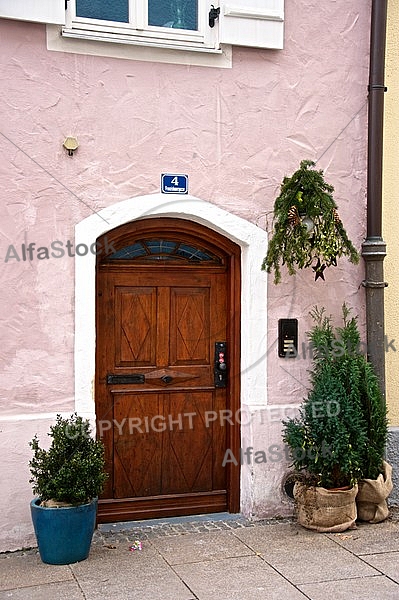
(172, 183)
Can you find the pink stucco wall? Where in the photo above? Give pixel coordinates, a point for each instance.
(236, 132)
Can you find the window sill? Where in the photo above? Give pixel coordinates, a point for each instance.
(80, 42)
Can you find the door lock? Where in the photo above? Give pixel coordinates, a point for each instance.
(220, 365)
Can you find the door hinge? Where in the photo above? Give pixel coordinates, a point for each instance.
(213, 15)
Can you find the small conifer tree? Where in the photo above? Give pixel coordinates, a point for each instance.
(340, 434)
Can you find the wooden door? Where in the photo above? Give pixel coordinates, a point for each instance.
(165, 297)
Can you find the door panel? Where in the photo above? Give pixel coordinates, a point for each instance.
(135, 334)
(164, 436)
(187, 460)
(190, 315)
(137, 443)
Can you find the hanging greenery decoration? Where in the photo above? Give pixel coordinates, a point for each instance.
(308, 231)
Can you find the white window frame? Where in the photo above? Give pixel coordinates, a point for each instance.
(37, 11)
(138, 32)
(248, 23)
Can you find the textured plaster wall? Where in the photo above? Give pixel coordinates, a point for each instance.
(393, 459)
(390, 210)
(236, 132)
(390, 234)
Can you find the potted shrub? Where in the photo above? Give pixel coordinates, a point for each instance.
(68, 478)
(328, 440)
(376, 482)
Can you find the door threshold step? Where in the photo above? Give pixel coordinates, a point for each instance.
(179, 524)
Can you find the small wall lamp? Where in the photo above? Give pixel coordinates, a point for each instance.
(71, 144)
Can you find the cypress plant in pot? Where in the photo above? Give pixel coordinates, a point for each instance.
(328, 440)
(68, 478)
(376, 482)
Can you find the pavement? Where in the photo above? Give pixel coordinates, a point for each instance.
(216, 557)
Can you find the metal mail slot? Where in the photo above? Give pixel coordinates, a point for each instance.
(120, 379)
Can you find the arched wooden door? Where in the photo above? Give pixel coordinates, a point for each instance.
(167, 369)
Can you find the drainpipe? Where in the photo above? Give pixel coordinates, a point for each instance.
(374, 247)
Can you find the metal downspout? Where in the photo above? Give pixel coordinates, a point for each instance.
(374, 247)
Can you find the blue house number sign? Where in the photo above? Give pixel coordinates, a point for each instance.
(174, 184)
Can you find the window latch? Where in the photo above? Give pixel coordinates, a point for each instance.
(213, 15)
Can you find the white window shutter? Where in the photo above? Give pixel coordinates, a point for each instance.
(257, 23)
(42, 11)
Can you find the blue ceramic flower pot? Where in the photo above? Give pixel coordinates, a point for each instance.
(64, 534)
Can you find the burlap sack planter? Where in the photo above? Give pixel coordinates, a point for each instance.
(372, 496)
(325, 510)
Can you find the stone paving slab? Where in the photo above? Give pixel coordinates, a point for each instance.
(55, 591)
(26, 569)
(241, 578)
(387, 563)
(123, 574)
(369, 538)
(369, 588)
(291, 550)
(196, 547)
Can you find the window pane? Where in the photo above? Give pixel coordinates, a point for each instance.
(178, 14)
(166, 250)
(193, 253)
(112, 10)
(129, 252)
(160, 246)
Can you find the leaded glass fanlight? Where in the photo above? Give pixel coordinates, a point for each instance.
(164, 250)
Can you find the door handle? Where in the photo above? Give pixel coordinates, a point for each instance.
(167, 379)
(220, 365)
(121, 379)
